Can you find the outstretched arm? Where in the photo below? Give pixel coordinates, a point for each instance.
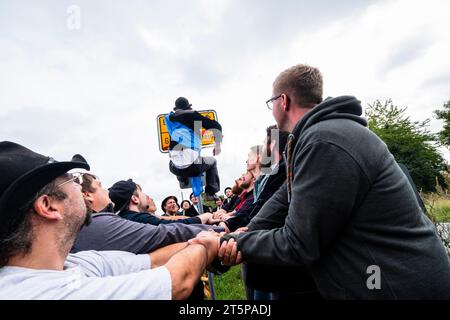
(186, 267)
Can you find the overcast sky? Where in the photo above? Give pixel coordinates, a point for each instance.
(96, 84)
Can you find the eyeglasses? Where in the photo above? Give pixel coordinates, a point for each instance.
(269, 103)
(77, 177)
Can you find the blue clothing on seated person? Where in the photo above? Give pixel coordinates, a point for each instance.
(144, 217)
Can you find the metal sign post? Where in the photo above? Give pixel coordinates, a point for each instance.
(210, 275)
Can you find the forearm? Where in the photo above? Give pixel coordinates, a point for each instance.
(161, 256)
(185, 269)
(173, 217)
(225, 226)
(204, 218)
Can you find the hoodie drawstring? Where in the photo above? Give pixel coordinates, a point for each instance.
(287, 158)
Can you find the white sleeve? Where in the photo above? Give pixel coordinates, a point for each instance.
(111, 275)
(154, 284)
(108, 263)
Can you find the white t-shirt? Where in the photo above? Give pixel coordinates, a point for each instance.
(90, 275)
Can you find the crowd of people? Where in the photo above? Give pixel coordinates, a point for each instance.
(321, 203)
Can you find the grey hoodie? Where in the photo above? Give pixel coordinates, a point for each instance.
(353, 219)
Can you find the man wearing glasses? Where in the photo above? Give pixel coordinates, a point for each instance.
(41, 212)
(346, 212)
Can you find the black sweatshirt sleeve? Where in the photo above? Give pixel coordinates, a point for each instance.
(325, 184)
(273, 213)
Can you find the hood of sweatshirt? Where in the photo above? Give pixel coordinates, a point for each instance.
(344, 107)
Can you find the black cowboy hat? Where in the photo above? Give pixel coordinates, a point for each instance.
(121, 192)
(23, 173)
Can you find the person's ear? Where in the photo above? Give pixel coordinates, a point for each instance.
(134, 199)
(48, 208)
(89, 197)
(285, 102)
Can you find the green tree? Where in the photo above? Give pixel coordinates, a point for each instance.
(410, 142)
(444, 135)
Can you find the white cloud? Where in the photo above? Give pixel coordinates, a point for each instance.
(98, 92)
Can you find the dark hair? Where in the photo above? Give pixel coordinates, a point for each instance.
(303, 83)
(225, 190)
(18, 238)
(86, 186)
(181, 205)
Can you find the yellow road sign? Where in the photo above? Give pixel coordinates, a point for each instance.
(164, 137)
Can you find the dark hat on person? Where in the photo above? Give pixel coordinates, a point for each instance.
(23, 173)
(121, 192)
(182, 104)
(163, 203)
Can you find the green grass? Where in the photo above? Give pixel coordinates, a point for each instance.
(442, 211)
(229, 286)
(438, 207)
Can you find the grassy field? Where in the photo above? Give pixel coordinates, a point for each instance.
(438, 207)
(229, 286)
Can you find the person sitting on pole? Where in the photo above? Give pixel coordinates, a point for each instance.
(184, 127)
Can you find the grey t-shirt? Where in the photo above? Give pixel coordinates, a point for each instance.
(108, 231)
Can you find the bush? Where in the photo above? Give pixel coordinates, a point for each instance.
(410, 142)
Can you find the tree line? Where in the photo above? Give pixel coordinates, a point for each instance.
(412, 143)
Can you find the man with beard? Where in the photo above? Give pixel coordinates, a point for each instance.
(41, 212)
(228, 194)
(244, 185)
(171, 208)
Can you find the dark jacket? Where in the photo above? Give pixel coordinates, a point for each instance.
(192, 212)
(189, 117)
(231, 204)
(144, 217)
(351, 211)
(243, 216)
